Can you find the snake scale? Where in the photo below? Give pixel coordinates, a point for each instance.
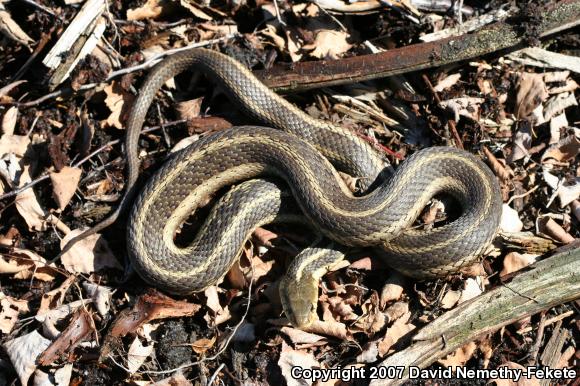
(303, 157)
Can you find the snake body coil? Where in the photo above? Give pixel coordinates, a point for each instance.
(303, 154)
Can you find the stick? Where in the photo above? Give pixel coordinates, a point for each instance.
(543, 285)
(498, 36)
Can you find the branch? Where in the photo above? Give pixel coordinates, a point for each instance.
(552, 281)
(499, 36)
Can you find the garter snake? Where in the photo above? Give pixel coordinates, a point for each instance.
(303, 156)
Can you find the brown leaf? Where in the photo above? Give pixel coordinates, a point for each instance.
(23, 352)
(393, 289)
(551, 228)
(10, 308)
(25, 264)
(290, 358)
(460, 356)
(151, 306)
(565, 150)
(329, 44)
(55, 297)
(303, 339)
(531, 92)
(400, 328)
(89, 255)
(64, 185)
(118, 101)
(79, 329)
(447, 82)
(195, 9)
(200, 346)
(523, 381)
(396, 311)
(189, 109)
(330, 328)
(503, 172)
(176, 379)
(137, 355)
(11, 30)
(515, 261)
(150, 10)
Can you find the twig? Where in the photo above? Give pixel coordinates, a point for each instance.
(41, 7)
(214, 375)
(539, 336)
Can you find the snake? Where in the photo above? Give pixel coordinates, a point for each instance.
(287, 170)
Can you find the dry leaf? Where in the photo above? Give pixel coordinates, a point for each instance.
(9, 122)
(515, 261)
(565, 150)
(460, 356)
(290, 358)
(55, 377)
(523, 381)
(28, 206)
(464, 106)
(396, 311)
(551, 228)
(200, 346)
(25, 264)
(471, 290)
(450, 299)
(219, 314)
(137, 355)
(510, 220)
(303, 339)
(557, 123)
(101, 296)
(329, 328)
(393, 289)
(118, 101)
(189, 109)
(23, 352)
(10, 308)
(151, 306)
(522, 143)
(400, 328)
(195, 10)
(64, 185)
(150, 10)
(176, 379)
(329, 44)
(54, 298)
(531, 92)
(12, 30)
(559, 103)
(89, 255)
(447, 82)
(500, 170)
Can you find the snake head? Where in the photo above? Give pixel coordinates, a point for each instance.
(299, 300)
